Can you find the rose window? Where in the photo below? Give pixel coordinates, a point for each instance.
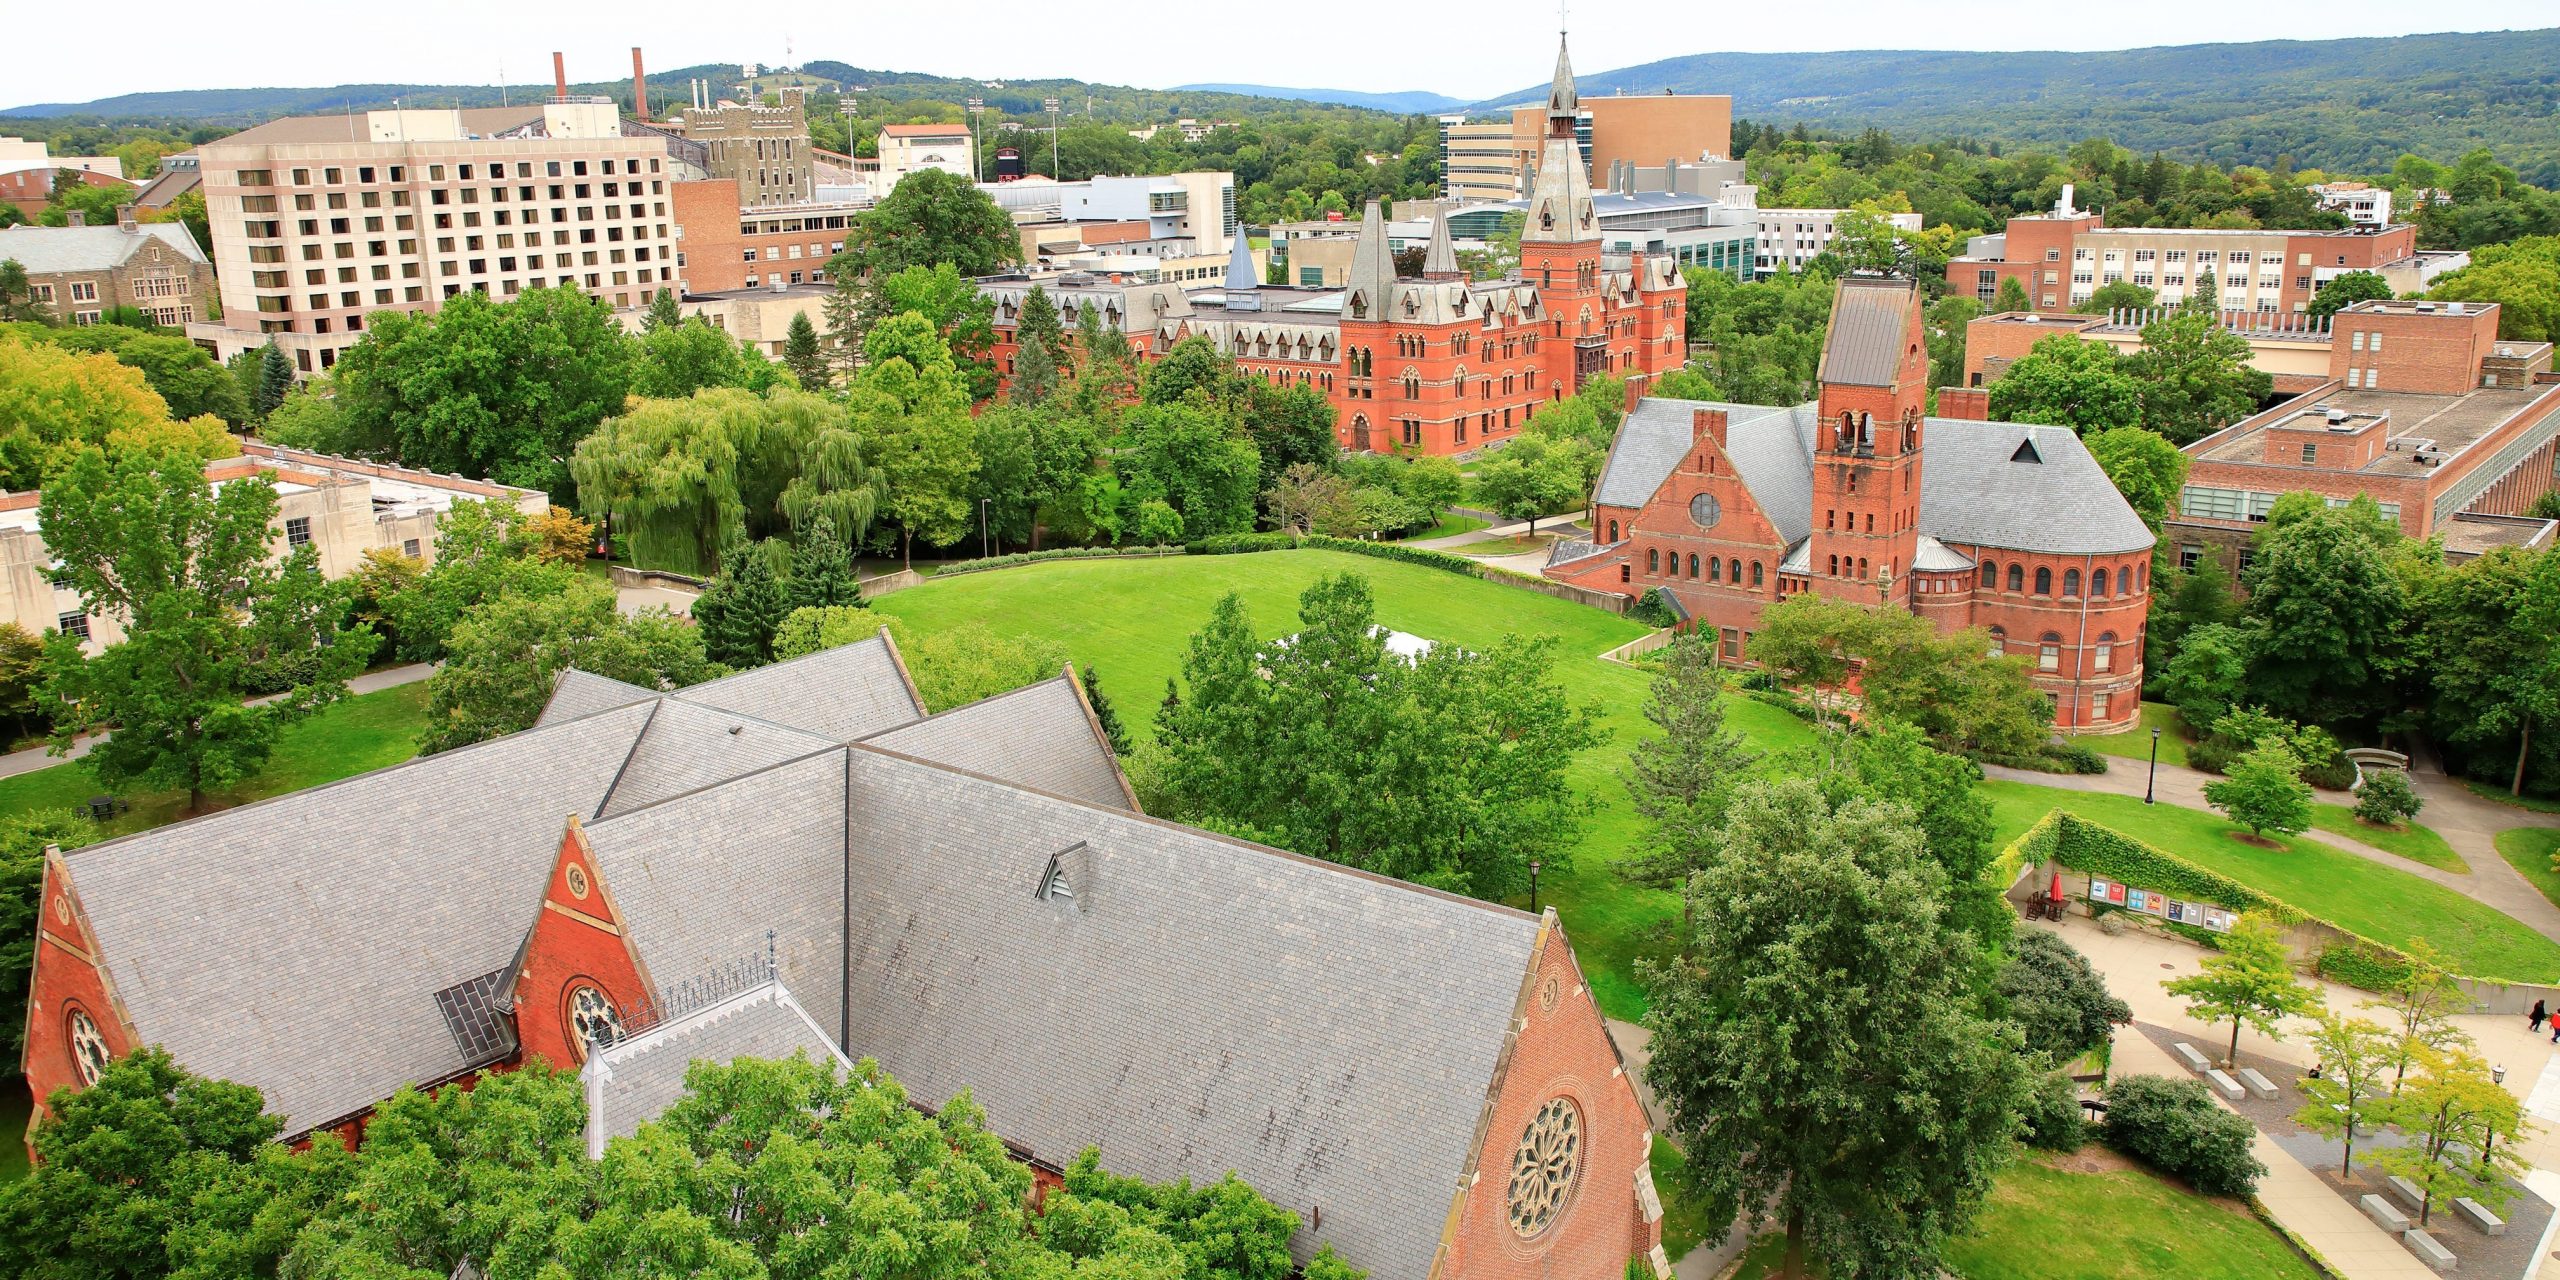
(592, 1017)
(88, 1049)
(1545, 1166)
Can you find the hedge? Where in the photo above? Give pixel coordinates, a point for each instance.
(1247, 543)
(958, 567)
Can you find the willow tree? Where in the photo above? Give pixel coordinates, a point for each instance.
(675, 476)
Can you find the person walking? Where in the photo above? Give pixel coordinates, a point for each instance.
(2540, 1012)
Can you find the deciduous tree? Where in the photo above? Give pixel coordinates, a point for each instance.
(2065, 381)
(2345, 1099)
(2248, 981)
(2264, 790)
(504, 656)
(2462, 1128)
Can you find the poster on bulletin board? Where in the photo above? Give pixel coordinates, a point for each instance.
(2155, 903)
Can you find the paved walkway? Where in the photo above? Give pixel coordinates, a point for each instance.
(2465, 820)
(1635, 1049)
(34, 758)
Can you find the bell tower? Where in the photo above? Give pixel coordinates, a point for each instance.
(1866, 464)
(1560, 242)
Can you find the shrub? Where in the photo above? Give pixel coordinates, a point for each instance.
(1654, 611)
(2363, 965)
(2050, 1116)
(2112, 924)
(2213, 755)
(2051, 757)
(2173, 1126)
(2053, 995)
(2386, 799)
(1054, 553)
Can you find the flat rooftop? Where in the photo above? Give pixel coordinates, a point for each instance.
(2472, 534)
(2450, 424)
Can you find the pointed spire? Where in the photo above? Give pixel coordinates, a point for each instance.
(1373, 269)
(1560, 209)
(1440, 261)
(1562, 103)
(1242, 280)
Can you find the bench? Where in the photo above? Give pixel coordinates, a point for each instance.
(2407, 1191)
(2187, 1054)
(2429, 1252)
(2257, 1083)
(2383, 1215)
(2478, 1215)
(2225, 1085)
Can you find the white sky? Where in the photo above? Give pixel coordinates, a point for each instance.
(1473, 50)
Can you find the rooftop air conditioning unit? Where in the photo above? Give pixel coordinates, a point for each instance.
(2337, 416)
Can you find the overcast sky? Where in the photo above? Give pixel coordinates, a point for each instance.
(1473, 50)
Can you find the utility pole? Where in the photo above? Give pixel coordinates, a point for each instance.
(977, 106)
(1050, 105)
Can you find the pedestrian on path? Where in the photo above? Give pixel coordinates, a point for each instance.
(2540, 1012)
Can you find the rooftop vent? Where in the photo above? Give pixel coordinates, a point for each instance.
(2337, 416)
(2026, 452)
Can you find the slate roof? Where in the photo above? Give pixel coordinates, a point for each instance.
(1038, 736)
(577, 693)
(1201, 1004)
(687, 746)
(1870, 318)
(840, 694)
(635, 1080)
(50, 250)
(297, 944)
(1933, 556)
(1971, 490)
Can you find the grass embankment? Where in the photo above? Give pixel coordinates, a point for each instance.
(2529, 850)
(2379, 902)
(346, 738)
(1451, 525)
(2135, 743)
(2417, 842)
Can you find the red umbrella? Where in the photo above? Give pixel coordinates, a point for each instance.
(2055, 893)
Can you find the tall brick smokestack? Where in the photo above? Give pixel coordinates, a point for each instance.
(639, 86)
(559, 77)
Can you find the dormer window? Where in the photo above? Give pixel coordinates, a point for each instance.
(1058, 879)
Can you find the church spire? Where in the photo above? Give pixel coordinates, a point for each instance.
(1373, 269)
(1562, 103)
(1242, 280)
(1440, 261)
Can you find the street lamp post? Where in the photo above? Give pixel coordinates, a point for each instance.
(982, 528)
(1051, 105)
(2151, 782)
(976, 107)
(1533, 886)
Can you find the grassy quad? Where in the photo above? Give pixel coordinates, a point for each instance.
(1450, 525)
(2135, 743)
(2416, 842)
(2382, 903)
(346, 738)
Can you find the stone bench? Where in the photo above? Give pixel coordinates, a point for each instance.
(2257, 1083)
(2225, 1085)
(2407, 1191)
(2187, 1054)
(2429, 1252)
(2383, 1215)
(2478, 1215)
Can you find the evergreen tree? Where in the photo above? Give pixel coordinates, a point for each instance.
(275, 381)
(822, 573)
(1113, 731)
(2012, 296)
(18, 301)
(803, 357)
(1039, 327)
(663, 313)
(1683, 781)
(739, 611)
(1035, 376)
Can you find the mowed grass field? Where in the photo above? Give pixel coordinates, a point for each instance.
(1132, 621)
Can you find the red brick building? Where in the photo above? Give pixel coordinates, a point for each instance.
(797, 857)
(1440, 364)
(2010, 529)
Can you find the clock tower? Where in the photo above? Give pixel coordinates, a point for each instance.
(1866, 463)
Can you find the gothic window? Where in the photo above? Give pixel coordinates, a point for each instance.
(1545, 1167)
(2071, 583)
(592, 1019)
(1990, 575)
(1755, 575)
(2017, 578)
(1459, 382)
(88, 1048)
(1360, 433)
(2044, 582)
(1412, 385)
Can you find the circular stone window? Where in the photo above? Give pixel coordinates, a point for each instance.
(1545, 1167)
(88, 1049)
(592, 1019)
(1705, 510)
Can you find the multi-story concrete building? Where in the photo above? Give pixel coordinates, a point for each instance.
(2064, 257)
(340, 507)
(82, 272)
(2013, 530)
(1479, 163)
(2424, 410)
(1440, 364)
(321, 221)
(764, 150)
(907, 148)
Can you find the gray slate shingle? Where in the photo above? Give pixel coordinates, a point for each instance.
(1036, 736)
(687, 747)
(840, 694)
(634, 1081)
(577, 693)
(1202, 1004)
(1870, 322)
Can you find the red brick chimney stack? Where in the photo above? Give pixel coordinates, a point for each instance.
(559, 77)
(1707, 424)
(639, 86)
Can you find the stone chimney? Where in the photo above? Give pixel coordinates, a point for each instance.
(1707, 424)
(125, 219)
(78, 218)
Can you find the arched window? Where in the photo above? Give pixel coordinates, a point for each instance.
(2124, 580)
(1458, 381)
(1835, 566)
(2071, 582)
(2098, 584)
(1613, 531)
(1653, 560)
(2049, 653)
(1990, 575)
(2103, 658)
(1693, 564)
(2044, 582)
(88, 1048)
(1999, 647)
(1755, 574)
(2017, 578)
(1626, 572)
(1715, 569)
(593, 1021)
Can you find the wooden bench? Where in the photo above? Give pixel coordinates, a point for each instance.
(2383, 1215)
(2225, 1085)
(2407, 1191)
(2187, 1054)
(2429, 1252)
(2478, 1215)
(2257, 1083)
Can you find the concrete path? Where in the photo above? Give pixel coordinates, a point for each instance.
(1558, 525)
(2466, 821)
(1634, 1048)
(34, 758)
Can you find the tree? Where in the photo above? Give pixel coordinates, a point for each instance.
(211, 616)
(2011, 297)
(2489, 645)
(2148, 470)
(739, 610)
(2174, 1126)
(2120, 295)
(2420, 1004)
(2264, 790)
(914, 414)
(2331, 620)
(958, 310)
(664, 314)
(822, 572)
(1532, 478)
(671, 475)
(2065, 381)
(2250, 980)
(2057, 1000)
(1104, 714)
(275, 381)
(2193, 377)
(1194, 461)
(2210, 675)
(18, 302)
(2339, 292)
(2347, 1096)
(2522, 277)
(937, 219)
(2385, 797)
(1948, 318)
(2462, 1128)
(691, 356)
(2197, 597)
(505, 654)
(186, 378)
(54, 403)
(952, 666)
(802, 355)
(309, 419)
(1817, 1047)
(1682, 781)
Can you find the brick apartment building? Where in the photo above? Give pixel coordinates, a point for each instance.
(1729, 508)
(1440, 365)
(2424, 409)
(723, 246)
(972, 899)
(81, 272)
(2292, 349)
(2063, 257)
(321, 221)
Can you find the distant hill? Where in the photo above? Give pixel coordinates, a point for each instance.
(2339, 104)
(1409, 102)
(252, 106)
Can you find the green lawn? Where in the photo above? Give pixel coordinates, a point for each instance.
(1132, 619)
(348, 737)
(2492, 791)
(1451, 525)
(2529, 850)
(1684, 1221)
(2415, 842)
(2135, 743)
(1510, 546)
(2379, 902)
